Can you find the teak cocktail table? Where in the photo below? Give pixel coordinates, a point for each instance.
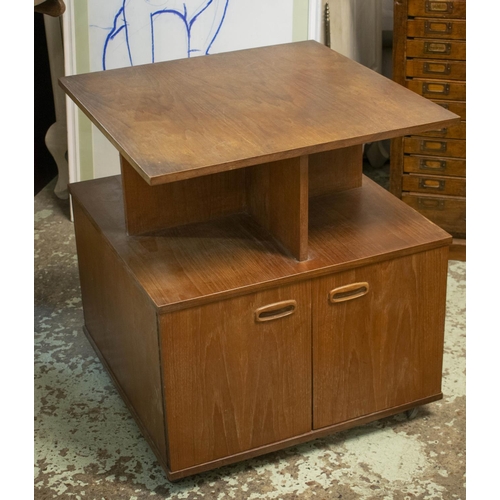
(245, 285)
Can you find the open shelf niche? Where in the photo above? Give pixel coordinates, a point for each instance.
(275, 194)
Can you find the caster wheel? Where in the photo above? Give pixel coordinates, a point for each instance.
(411, 414)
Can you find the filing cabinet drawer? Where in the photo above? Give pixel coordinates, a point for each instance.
(451, 132)
(454, 148)
(437, 89)
(428, 165)
(436, 28)
(454, 106)
(430, 68)
(433, 184)
(435, 49)
(453, 9)
(428, 169)
(447, 212)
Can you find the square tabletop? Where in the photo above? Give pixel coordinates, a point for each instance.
(186, 118)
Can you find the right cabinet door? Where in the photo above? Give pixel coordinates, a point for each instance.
(378, 336)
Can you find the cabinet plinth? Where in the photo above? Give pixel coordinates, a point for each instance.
(244, 284)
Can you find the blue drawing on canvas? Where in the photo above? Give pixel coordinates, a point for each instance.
(147, 31)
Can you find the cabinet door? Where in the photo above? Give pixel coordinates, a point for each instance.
(237, 374)
(378, 336)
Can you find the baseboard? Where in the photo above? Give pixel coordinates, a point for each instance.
(457, 249)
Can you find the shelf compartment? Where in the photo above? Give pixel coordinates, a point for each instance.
(233, 255)
(337, 170)
(153, 208)
(275, 194)
(277, 197)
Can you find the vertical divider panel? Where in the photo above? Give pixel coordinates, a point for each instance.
(278, 198)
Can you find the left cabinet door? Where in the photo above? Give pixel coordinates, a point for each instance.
(237, 374)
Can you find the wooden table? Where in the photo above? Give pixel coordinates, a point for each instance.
(245, 285)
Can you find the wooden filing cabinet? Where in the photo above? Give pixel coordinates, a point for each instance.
(428, 169)
(245, 285)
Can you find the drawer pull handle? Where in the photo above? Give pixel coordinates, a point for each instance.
(441, 131)
(437, 68)
(437, 48)
(436, 165)
(428, 203)
(436, 88)
(431, 184)
(437, 28)
(441, 7)
(275, 311)
(433, 146)
(348, 292)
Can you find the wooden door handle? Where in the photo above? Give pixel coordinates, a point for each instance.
(348, 292)
(275, 311)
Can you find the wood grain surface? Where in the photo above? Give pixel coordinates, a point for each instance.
(382, 349)
(449, 212)
(277, 197)
(233, 255)
(458, 249)
(437, 89)
(457, 107)
(435, 184)
(181, 119)
(452, 9)
(151, 208)
(335, 170)
(303, 438)
(436, 49)
(437, 165)
(436, 28)
(452, 132)
(232, 384)
(122, 324)
(454, 148)
(426, 68)
(429, 58)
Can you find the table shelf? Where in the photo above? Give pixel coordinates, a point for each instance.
(245, 285)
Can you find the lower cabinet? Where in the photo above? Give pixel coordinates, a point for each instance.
(246, 372)
(237, 374)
